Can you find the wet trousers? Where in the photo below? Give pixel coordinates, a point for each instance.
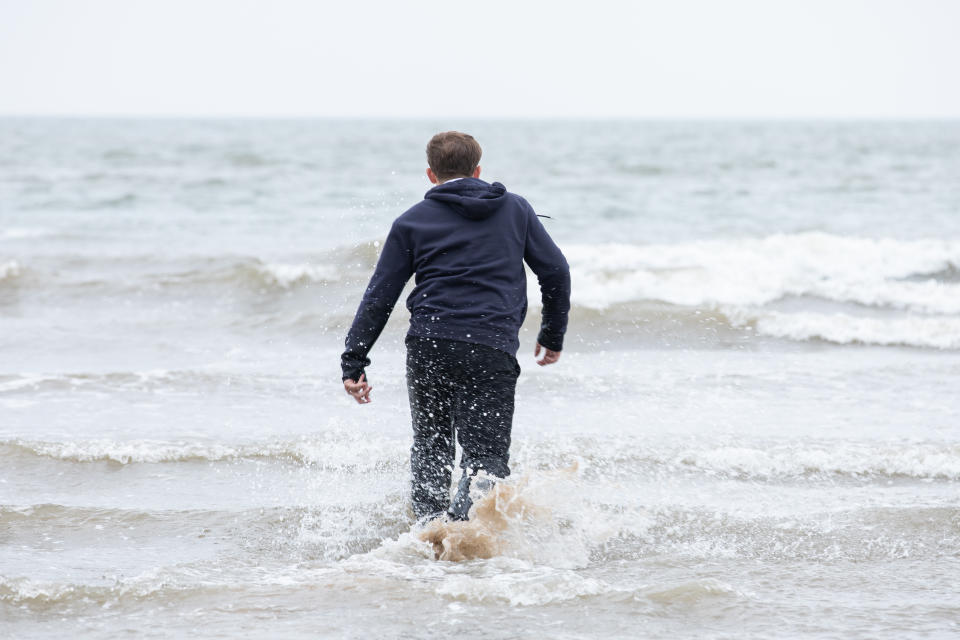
(463, 392)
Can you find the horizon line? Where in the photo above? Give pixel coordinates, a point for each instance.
(583, 118)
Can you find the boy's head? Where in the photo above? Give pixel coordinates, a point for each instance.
(452, 154)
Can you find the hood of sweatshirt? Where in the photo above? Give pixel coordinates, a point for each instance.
(470, 197)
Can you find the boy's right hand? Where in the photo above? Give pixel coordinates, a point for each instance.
(549, 357)
(360, 390)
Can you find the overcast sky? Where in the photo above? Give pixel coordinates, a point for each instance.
(593, 58)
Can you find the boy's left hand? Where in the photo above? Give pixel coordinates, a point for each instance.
(360, 390)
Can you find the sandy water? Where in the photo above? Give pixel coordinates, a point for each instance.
(754, 432)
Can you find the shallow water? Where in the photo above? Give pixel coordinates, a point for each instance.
(754, 430)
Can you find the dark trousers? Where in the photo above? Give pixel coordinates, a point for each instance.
(463, 391)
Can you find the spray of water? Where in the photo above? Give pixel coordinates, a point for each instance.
(510, 519)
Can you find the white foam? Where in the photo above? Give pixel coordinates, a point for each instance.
(927, 296)
(757, 271)
(17, 233)
(9, 269)
(775, 460)
(939, 332)
(25, 592)
(288, 275)
(131, 451)
(340, 449)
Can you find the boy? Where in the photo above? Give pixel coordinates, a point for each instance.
(466, 242)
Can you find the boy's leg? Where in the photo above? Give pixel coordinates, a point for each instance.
(484, 417)
(433, 451)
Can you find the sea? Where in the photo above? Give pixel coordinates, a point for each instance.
(753, 430)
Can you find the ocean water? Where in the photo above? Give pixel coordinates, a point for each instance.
(753, 432)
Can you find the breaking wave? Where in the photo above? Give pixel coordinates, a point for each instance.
(150, 273)
(693, 325)
(253, 272)
(890, 292)
(910, 275)
(797, 287)
(758, 271)
(938, 332)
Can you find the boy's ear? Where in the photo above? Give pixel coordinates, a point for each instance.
(432, 176)
(476, 172)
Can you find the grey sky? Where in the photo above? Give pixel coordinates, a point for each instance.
(671, 58)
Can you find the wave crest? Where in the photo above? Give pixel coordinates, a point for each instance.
(758, 271)
(333, 450)
(344, 450)
(938, 332)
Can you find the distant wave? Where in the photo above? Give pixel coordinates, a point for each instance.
(251, 272)
(152, 272)
(254, 273)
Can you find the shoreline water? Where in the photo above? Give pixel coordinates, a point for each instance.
(758, 388)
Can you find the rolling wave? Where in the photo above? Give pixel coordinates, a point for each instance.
(915, 275)
(350, 452)
(880, 292)
(150, 273)
(253, 272)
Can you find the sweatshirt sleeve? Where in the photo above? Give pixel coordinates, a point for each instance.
(553, 273)
(393, 270)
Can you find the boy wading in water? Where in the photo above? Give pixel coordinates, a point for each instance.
(466, 242)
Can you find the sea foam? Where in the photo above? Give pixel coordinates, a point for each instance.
(288, 275)
(939, 332)
(891, 292)
(757, 271)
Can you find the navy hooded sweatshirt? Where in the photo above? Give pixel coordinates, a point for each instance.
(466, 242)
